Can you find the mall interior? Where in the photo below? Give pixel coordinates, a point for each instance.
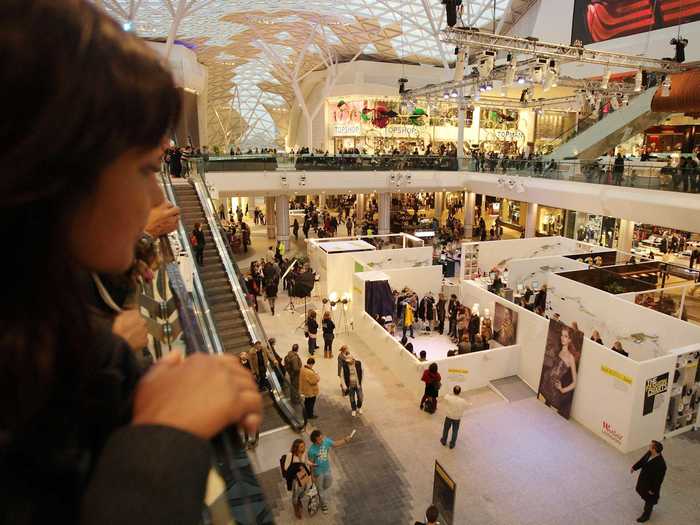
(490, 200)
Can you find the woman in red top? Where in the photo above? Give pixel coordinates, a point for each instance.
(432, 379)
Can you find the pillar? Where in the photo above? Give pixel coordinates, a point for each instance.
(384, 213)
(531, 220)
(282, 219)
(322, 201)
(270, 216)
(469, 203)
(626, 236)
(460, 129)
(439, 205)
(360, 206)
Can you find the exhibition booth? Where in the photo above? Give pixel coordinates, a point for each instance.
(627, 400)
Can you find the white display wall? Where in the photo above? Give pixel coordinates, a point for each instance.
(644, 333)
(499, 254)
(538, 269)
(399, 258)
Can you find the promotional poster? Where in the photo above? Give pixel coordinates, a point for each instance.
(601, 20)
(653, 390)
(505, 325)
(560, 367)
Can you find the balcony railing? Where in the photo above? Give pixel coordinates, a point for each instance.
(649, 175)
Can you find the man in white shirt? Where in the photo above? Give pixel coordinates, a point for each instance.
(455, 407)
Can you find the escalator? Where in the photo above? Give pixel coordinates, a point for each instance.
(229, 321)
(235, 323)
(606, 134)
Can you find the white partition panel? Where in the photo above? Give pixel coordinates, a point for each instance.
(644, 333)
(477, 369)
(605, 394)
(538, 269)
(420, 280)
(399, 258)
(531, 336)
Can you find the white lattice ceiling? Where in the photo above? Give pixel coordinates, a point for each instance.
(248, 100)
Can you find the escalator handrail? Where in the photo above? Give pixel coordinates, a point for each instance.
(250, 316)
(211, 335)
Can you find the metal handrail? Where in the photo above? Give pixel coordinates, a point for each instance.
(211, 335)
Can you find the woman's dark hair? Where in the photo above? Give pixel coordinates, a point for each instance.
(295, 446)
(82, 92)
(433, 367)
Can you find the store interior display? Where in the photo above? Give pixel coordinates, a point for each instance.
(685, 393)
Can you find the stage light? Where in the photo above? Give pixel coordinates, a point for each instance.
(521, 80)
(446, 95)
(605, 82)
(666, 87)
(638, 81)
(537, 74)
(128, 25)
(679, 44)
(454, 93)
(402, 85)
(489, 86)
(511, 70)
(486, 62)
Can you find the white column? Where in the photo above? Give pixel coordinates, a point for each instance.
(270, 216)
(322, 200)
(384, 213)
(469, 203)
(360, 206)
(460, 129)
(282, 219)
(531, 220)
(439, 205)
(626, 236)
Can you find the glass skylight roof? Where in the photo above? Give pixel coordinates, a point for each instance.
(227, 34)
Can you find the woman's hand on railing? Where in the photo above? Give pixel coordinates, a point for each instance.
(162, 219)
(202, 395)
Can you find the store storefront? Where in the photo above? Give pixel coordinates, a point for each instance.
(550, 221)
(597, 229)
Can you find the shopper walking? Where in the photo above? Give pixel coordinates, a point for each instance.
(455, 406)
(259, 363)
(295, 229)
(352, 382)
(319, 456)
(296, 470)
(312, 331)
(652, 467)
(328, 327)
(431, 377)
(308, 387)
(197, 241)
(271, 281)
(292, 364)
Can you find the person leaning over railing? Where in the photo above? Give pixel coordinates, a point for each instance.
(84, 438)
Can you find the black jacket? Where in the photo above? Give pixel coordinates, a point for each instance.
(651, 477)
(81, 462)
(452, 308)
(346, 372)
(201, 241)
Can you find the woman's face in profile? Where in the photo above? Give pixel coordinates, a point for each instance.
(107, 225)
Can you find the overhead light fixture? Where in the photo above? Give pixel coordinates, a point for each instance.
(666, 87)
(606, 78)
(511, 70)
(638, 78)
(486, 62)
(446, 95)
(128, 25)
(454, 93)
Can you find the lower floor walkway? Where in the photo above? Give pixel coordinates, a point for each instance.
(515, 463)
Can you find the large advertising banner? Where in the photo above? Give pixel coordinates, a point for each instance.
(560, 367)
(601, 20)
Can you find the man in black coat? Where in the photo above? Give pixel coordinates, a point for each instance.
(651, 476)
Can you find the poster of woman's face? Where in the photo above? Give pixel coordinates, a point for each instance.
(560, 367)
(505, 325)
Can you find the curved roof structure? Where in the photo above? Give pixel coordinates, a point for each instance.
(246, 45)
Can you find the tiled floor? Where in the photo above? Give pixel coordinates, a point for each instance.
(515, 463)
